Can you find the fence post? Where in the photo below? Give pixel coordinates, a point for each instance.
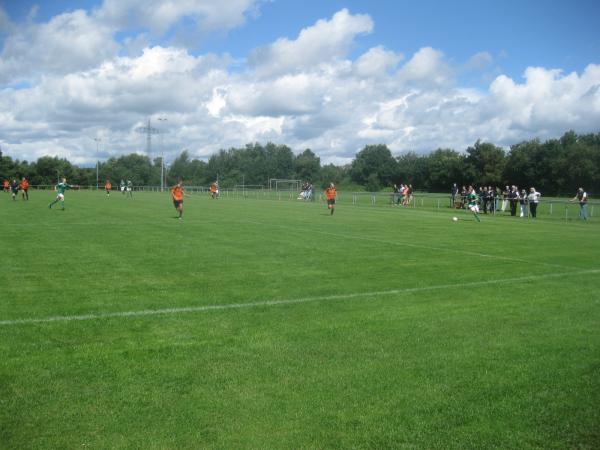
(551, 203)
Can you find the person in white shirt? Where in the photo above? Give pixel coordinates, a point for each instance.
(534, 199)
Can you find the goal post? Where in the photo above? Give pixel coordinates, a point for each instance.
(279, 184)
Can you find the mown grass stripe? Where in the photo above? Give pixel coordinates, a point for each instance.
(194, 309)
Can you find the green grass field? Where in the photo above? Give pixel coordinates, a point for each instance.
(270, 324)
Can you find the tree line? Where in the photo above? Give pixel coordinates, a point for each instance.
(556, 166)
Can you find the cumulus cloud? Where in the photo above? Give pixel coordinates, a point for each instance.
(426, 66)
(68, 42)
(323, 42)
(160, 15)
(377, 61)
(547, 99)
(306, 93)
(479, 61)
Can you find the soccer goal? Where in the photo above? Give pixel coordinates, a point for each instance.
(277, 184)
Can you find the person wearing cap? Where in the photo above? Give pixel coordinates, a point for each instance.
(581, 197)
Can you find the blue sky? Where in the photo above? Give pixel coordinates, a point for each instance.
(291, 72)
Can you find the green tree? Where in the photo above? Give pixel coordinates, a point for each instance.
(444, 167)
(486, 163)
(307, 166)
(412, 169)
(374, 167)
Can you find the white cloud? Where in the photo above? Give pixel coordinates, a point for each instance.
(377, 61)
(68, 42)
(305, 93)
(479, 61)
(160, 15)
(426, 66)
(547, 99)
(323, 42)
(5, 24)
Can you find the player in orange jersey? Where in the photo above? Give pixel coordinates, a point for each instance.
(107, 187)
(177, 193)
(330, 194)
(5, 185)
(24, 188)
(214, 190)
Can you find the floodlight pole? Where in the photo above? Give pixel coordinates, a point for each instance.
(162, 156)
(97, 139)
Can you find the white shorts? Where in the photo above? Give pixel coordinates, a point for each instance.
(128, 189)
(60, 197)
(122, 188)
(474, 208)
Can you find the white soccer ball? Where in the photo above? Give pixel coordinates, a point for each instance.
(455, 219)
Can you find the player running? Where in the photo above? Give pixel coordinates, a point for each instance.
(214, 190)
(330, 194)
(6, 186)
(60, 193)
(129, 189)
(177, 193)
(472, 203)
(107, 187)
(24, 189)
(14, 188)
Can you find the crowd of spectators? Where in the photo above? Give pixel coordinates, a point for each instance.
(402, 195)
(306, 191)
(493, 199)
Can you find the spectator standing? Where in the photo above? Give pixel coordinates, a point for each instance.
(453, 194)
(513, 198)
(523, 204)
(534, 199)
(463, 197)
(582, 198)
(505, 194)
(396, 195)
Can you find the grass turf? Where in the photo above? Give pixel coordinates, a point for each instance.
(396, 327)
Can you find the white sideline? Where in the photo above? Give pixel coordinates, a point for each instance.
(192, 309)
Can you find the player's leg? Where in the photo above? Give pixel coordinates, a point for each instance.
(54, 202)
(475, 211)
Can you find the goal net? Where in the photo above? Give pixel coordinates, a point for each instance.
(276, 184)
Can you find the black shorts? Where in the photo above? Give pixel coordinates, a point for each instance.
(177, 203)
(331, 201)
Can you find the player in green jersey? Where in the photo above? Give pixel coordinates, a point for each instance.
(472, 199)
(60, 193)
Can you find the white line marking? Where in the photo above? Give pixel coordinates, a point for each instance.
(325, 298)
